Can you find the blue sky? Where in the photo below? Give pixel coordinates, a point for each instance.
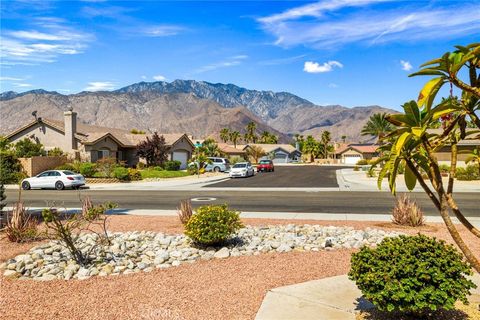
(348, 52)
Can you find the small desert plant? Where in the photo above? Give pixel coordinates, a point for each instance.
(412, 274)
(106, 166)
(213, 225)
(356, 168)
(96, 215)
(407, 213)
(61, 226)
(21, 226)
(468, 173)
(362, 162)
(185, 211)
(55, 152)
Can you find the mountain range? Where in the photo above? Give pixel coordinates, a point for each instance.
(196, 107)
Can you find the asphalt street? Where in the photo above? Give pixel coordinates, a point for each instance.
(266, 201)
(286, 177)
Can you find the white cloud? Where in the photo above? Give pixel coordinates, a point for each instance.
(311, 25)
(159, 78)
(333, 85)
(406, 65)
(230, 62)
(162, 30)
(315, 67)
(274, 62)
(144, 77)
(53, 39)
(100, 86)
(11, 79)
(23, 85)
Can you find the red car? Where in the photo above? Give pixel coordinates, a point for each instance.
(265, 165)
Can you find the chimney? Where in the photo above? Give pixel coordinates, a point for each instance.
(70, 118)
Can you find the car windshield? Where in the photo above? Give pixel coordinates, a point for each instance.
(265, 162)
(240, 165)
(69, 173)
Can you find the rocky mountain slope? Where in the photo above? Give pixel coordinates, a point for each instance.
(197, 107)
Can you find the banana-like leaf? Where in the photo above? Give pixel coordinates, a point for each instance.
(429, 91)
(393, 173)
(398, 145)
(410, 178)
(412, 111)
(428, 72)
(382, 175)
(418, 131)
(434, 61)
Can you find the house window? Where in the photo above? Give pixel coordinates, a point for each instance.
(103, 154)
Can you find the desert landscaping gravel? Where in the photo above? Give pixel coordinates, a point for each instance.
(230, 288)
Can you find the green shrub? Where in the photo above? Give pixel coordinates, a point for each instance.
(87, 169)
(140, 166)
(356, 168)
(172, 165)
(158, 168)
(234, 159)
(121, 173)
(134, 174)
(468, 173)
(106, 166)
(55, 152)
(26, 148)
(444, 168)
(413, 274)
(362, 162)
(213, 225)
(10, 168)
(66, 166)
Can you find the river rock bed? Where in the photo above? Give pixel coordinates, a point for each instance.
(136, 251)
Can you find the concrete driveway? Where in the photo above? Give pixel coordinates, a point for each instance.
(286, 177)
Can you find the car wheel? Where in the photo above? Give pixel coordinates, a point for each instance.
(59, 185)
(216, 169)
(25, 185)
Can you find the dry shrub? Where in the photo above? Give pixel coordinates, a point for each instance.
(185, 211)
(21, 226)
(407, 212)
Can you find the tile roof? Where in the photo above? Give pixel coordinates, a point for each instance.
(358, 147)
(226, 148)
(89, 134)
(271, 147)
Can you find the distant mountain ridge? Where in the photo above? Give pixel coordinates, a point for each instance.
(197, 107)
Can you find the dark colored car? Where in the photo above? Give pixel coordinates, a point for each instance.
(265, 165)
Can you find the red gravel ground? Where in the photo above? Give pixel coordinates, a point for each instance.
(218, 289)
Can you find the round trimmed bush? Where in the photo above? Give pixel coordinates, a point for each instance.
(213, 225)
(412, 274)
(87, 169)
(121, 173)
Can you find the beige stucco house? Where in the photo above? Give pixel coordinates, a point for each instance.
(279, 153)
(91, 143)
(352, 153)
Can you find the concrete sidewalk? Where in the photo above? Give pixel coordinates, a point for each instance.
(334, 298)
(349, 180)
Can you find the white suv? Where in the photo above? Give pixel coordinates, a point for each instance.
(218, 164)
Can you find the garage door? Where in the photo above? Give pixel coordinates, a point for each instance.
(280, 157)
(181, 156)
(352, 158)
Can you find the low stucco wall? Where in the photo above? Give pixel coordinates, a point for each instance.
(34, 165)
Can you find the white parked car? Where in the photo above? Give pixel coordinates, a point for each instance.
(54, 179)
(242, 169)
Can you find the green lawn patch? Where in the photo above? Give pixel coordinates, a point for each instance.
(151, 173)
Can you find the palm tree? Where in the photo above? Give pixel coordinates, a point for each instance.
(234, 137)
(225, 134)
(264, 136)
(474, 158)
(344, 138)
(310, 146)
(273, 139)
(250, 135)
(211, 149)
(326, 138)
(255, 153)
(377, 126)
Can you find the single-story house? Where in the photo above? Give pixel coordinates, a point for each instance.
(91, 143)
(279, 153)
(231, 151)
(352, 153)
